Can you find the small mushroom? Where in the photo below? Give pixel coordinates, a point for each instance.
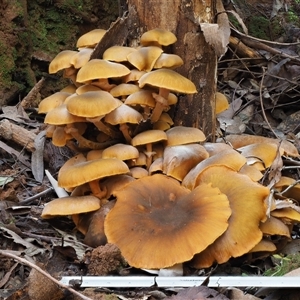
(179, 160)
(117, 53)
(94, 106)
(144, 58)
(165, 80)
(70, 176)
(274, 226)
(70, 205)
(221, 103)
(52, 101)
(122, 116)
(91, 38)
(61, 61)
(158, 37)
(147, 138)
(99, 71)
(121, 151)
(181, 135)
(164, 223)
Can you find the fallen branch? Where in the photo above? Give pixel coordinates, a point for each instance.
(26, 262)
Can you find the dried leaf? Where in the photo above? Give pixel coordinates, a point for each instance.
(4, 180)
(217, 35)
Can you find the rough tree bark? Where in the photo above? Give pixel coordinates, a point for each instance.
(182, 17)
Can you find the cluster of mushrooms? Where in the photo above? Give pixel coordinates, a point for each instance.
(159, 192)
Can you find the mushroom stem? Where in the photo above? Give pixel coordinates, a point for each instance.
(85, 143)
(149, 154)
(96, 190)
(161, 104)
(103, 128)
(124, 129)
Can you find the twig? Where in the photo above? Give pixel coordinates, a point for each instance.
(26, 262)
(30, 199)
(262, 104)
(29, 100)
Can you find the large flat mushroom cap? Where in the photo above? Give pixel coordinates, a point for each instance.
(157, 223)
(247, 202)
(168, 79)
(87, 171)
(61, 61)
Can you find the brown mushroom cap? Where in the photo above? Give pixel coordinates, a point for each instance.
(144, 58)
(263, 246)
(247, 202)
(168, 79)
(149, 137)
(164, 223)
(117, 53)
(274, 226)
(61, 61)
(124, 89)
(121, 151)
(221, 102)
(169, 61)
(81, 57)
(159, 37)
(67, 206)
(229, 158)
(87, 171)
(179, 160)
(180, 135)
(60, 116)
(92, 104)
(242, 140)
(91, 38)
(52, 101)
(101, 69)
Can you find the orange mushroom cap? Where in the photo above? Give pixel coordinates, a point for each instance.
(157, 223)
(247, 202)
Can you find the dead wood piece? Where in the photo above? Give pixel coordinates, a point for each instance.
(243, 50)
(12, 132)
(30, 99)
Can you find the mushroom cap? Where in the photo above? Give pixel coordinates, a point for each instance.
(52, 101)
(180, 135)
(168, 79)
(142, 97)
(164, 223)
(61, 61)
(247, 202)
(87, 171)
(70, 88)
(60, 116)
(99, 69)
(144, 58)
(138, 172)
(263, 246)
(91, 38)
(60, 137)
(214, 148)
(149, 137)
(262, 153)
(117, 53)
(87, 88)
(274, 226)
(252, 172)
(241, 140)
(158, 36)
(70, 205)
(124, 89)
(134, 75)
(179, 160)
(123, 114)
(229, 158)
(169, 61)
(79, 59)
(221, 102)
(121, 151)
(287, 214)
(93, 104)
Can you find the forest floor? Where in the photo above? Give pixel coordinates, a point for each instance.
(261, 79)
